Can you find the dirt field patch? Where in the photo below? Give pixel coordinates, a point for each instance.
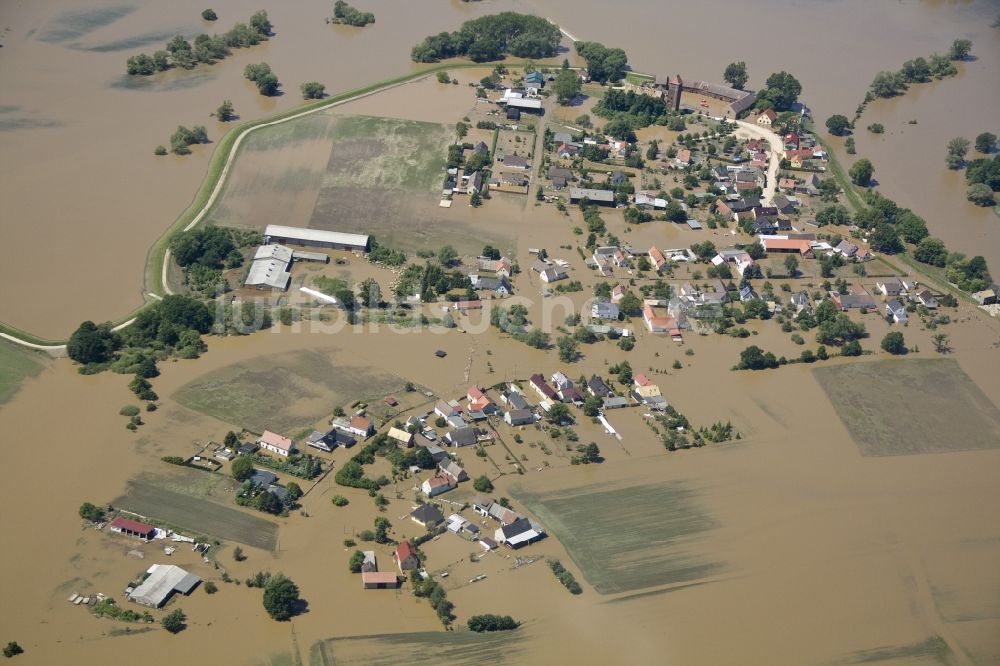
(417, 649)
(16, 365)
(908, 407)
(283, 392)
(628, 538)
(201, 515)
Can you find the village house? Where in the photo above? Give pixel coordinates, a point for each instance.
(787, 184)
(784, 245)
(467, 306)
(986, 296)
(560, 177)
(276, 444)
(614, 402)
(800, 302)
(485, 506)
(514, 400)
(427, 515)
(657, 259)
(519, 533)
(617, 293)
(447, 409)
(463, 436)
(896, 311)
(361, 426)
(598, 197)
(518, 417)
(926, 298)
(548, 271)
(438, 484)
(452, 469)
(400, 436)
(541, 387)
(858, 298)
(328, 441)
(604, 310)
(405, 557)
(889, 286)
(657, 322)
(597, 387)
(478, 402)
(766, 118)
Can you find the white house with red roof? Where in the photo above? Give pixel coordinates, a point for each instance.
(275, 443)
(405, 557)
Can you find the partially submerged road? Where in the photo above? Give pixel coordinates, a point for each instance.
(749, 130)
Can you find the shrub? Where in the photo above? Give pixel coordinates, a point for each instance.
(129, 410)
(160, 150)
(339, 500)
(209, 15)
(238, 554)
(174, 621)
(490, 622)
(91, 512)
(483, 484)
(210, 587)
(12, 649)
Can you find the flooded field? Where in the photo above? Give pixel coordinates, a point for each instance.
(16, 365)
(869, 397)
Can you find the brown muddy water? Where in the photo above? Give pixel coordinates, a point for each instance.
(77, 137)
(804, 551)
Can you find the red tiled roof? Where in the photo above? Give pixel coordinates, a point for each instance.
(404, 550)
(131, 526)
(276, 440)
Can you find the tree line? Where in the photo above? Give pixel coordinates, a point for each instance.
(347, 15)
(206, 49)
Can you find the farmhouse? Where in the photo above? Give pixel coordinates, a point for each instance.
(464, 436)
(519, 533)
(600, 197)
(405, 557)
(896, 311)
(276, 444)
(328, 441)
(427, 515)
(517, 417)
(369, 563)
(802, 247)
(132, 528)
(437, 484)
(766, 118)
(400, 436)
(336, 240)
(541, 387)
(453, 470)
(163, 581)
(379, 580)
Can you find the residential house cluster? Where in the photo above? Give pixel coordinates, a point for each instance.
(492, 275)
(515, 529)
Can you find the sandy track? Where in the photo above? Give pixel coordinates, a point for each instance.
(749, 130)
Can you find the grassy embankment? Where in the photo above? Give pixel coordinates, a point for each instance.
(16, 365)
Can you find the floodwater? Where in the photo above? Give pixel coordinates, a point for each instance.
(821, 555)
(78, 138)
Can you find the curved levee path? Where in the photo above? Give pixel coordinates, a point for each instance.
(157, 260)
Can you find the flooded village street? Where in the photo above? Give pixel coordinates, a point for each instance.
(850, 518)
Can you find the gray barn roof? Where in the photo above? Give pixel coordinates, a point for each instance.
(359, 241)
(164, 580)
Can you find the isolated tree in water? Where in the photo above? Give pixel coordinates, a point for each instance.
(736, 74)
(280, 597)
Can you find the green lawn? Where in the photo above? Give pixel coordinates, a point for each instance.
(911, 406)
(628, 538)
(16, 365)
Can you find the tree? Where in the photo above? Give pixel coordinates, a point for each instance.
(475, 200)
(91, 343)
(834, 214)
(980, 194)
(589, 453)
(91, 512)
(568, 350)
(382, 526)
(630, 305)
(174, 621)
(12, 649)
(791, 265)
(603, 64)
(931, 251)
(160, 150)
(888, 84)
(313, 90)
(446, 255)
(754, 358)
(960, 49)
(294, 491)
(260, 23)
(483, 484)
(566, 86)
(861, 172)
(490, 252)
(986, 142)
(957, 150)
(242, 468)
(281, 596)
(885, 239)
(911, 227)
(209, 15)
(782, 91)
(371, 293)
(238, 554)
(893, 343)
(356, 561)
(592, 405)
(837, 124)
(263, 77)
(940, 341)
(736, 74)
(558, 413)
(489, 622)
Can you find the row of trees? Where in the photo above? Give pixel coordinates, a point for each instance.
(206, 49)
(492, 37)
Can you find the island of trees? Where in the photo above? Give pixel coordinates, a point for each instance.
(206, 49)
(491, 38)
(345, 14)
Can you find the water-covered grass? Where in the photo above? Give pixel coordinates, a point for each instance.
(904, 407)
(427, 648)
(628, 538)
(16, 365)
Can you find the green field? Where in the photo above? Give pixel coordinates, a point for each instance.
(16, 365)
(283, 392)
(147, 497)
(628, 538)
(911, 406)
(934, 650)
(430, 648)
